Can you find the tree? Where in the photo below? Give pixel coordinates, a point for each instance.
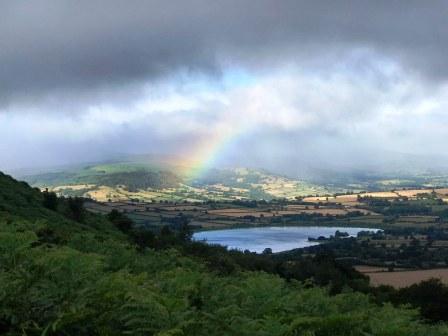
(431, 296)
(50, 200)
(121, 221)
(267, 250)
(184, 229)
(76, 209)
(143, 239)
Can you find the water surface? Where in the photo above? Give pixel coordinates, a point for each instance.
(277, 238)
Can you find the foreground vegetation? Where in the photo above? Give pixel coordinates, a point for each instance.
(67, 272)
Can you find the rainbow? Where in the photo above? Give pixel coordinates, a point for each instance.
(204, 156)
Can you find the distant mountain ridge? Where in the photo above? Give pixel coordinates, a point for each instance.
(147, 181)
(149, 178)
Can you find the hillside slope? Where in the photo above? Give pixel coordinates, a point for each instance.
(63, 277)
(148, 181)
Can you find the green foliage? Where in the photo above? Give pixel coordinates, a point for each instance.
(430, 296)
(50, 200)
(62, 277)
(136, 180)
(75, 209)
(132, 177)
(120, 220)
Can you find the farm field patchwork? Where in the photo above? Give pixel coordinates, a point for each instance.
(228, 214)
(217, 206)
(147, 182)
(400, 278)
(353, 199)
(351, 209)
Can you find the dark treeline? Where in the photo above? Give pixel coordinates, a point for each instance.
(401, 207)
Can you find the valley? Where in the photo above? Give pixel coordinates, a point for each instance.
(143, 181)
(410, 247)
(155, 180)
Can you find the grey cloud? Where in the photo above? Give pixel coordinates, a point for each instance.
(48, 46)
(64, 58)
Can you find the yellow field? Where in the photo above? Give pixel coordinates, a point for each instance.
(73, 187)
(442, 191)
(380, 194)
(413, 192)
(104, 193)
(352, 199)
(399, 279)
(370, 269)
(343, 199)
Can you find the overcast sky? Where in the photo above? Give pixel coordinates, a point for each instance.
(277, 84)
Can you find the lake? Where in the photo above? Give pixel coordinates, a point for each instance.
(277, 238)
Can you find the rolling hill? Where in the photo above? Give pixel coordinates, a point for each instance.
(151, 178)
(148, 181)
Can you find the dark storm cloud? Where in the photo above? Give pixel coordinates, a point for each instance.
(79, 45)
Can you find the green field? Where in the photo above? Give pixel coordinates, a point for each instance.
(151, 181)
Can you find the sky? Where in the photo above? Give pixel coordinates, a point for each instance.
(284, 85)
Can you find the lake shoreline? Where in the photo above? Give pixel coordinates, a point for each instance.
(304, 224)
(276, 238)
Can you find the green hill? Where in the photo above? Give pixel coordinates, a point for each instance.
(60, 276)
(132, 176)
(149, 181)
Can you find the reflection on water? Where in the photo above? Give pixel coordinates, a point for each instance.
(277, 238)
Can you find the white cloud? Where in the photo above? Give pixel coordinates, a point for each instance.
(380, 107)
